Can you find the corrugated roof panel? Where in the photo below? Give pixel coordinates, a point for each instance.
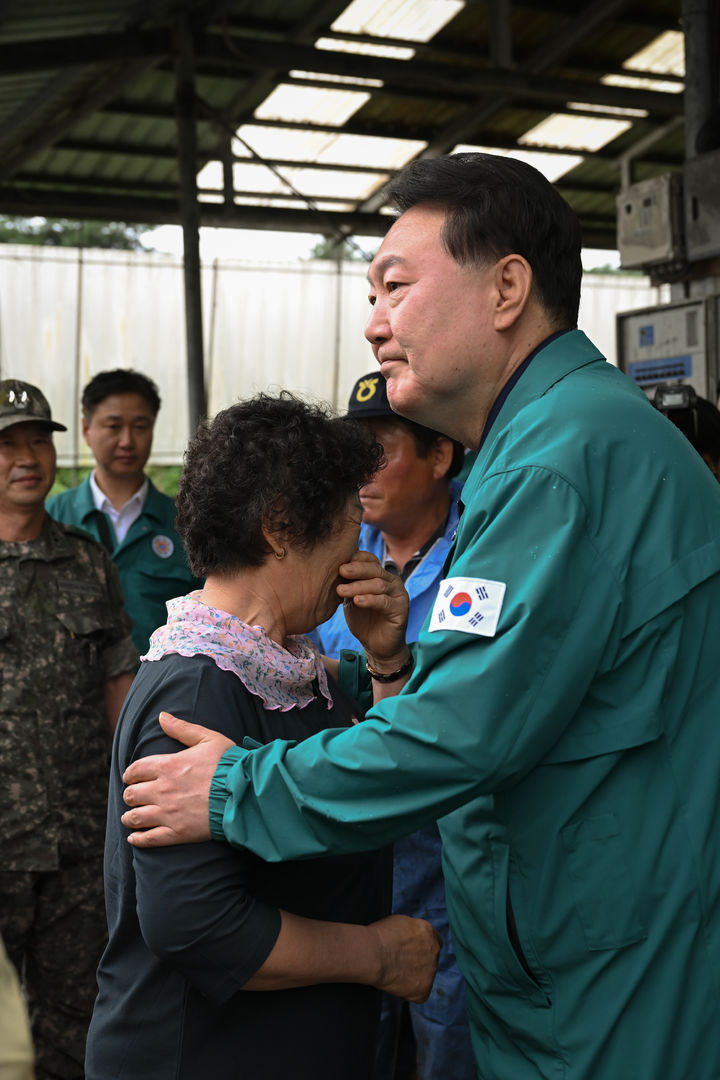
(552, 166)
(356, 185)
(665, 55)
(304, 104)
(60, 18)
(95, 126)
(363, 48)
(323, 76)
(326, 147)
(308, 182)
(574, 132)
(414, 20)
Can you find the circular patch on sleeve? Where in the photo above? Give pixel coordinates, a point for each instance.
(162, 546)
(460, 603)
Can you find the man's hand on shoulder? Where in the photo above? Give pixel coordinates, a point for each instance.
(169, 793)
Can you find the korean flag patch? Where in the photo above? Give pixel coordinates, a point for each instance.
(472, 605)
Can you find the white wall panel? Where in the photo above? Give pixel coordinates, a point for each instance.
(605, 294)
(273, 328)
(297, 326)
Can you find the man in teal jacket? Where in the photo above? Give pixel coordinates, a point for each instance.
(562, 721)
(120, 506)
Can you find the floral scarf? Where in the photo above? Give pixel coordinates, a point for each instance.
(281, 677)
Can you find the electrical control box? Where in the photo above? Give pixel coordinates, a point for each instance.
(650, 222)
(702, 206)
(676, 342)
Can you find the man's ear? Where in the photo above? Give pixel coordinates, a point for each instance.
(85, 427)
(442, 455)
(513, 281)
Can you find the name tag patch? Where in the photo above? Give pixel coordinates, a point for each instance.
(471, 605)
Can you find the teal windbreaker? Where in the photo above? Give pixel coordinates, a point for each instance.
(573, 756)
(151, 559)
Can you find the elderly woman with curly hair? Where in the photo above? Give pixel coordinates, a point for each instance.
(268, 509)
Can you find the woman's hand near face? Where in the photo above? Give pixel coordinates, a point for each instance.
(375, 605)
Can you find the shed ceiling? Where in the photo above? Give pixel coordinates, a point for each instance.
(304, 109)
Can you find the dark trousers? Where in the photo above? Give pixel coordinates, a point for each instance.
(54, 928)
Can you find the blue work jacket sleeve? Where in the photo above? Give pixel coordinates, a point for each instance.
(479, 711)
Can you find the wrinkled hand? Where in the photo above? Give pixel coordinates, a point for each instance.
(409, 951)
(170, 793)
(375, 605)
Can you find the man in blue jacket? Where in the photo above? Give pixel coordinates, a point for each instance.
(410, 514)
(120, 506)
(562, 720)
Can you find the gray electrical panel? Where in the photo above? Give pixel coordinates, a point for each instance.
(676, 342)
(650, 226)
(702, 206)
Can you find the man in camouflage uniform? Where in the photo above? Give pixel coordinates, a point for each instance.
(66, 662)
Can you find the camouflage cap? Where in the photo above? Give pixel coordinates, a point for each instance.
(21, 402)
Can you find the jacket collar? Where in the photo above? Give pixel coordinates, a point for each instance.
(559, 356)
(52, 543)
(153, 503)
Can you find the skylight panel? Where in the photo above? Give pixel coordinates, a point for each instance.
(312, 183)
(317, 183)
(325, 76)
(373, 150)
(615, 110)
(665, 55)
(365, 48)
(327, 147)
(292, 204)
(552, 166)
(307, 104)
(246, 177)
(635, 82)
(409, 20)
(284, 143)
(210, 176)
(574, 132)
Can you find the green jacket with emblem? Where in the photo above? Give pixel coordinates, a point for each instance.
(151, 559)
(573, 757)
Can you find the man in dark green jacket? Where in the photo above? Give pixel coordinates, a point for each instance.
(120, 506)
(562, 721)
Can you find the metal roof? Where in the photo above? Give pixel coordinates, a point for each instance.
(307, 107)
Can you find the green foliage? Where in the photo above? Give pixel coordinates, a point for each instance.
(337, 249)
(165, 478)
(67, 478)
(61, 232)
(610, 269)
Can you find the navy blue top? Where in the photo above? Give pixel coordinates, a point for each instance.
(190, 924)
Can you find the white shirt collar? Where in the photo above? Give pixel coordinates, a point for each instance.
(128, 514)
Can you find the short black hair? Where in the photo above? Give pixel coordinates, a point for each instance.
(424, 437)
(119, 381)
(497, 206)
(273, 462)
